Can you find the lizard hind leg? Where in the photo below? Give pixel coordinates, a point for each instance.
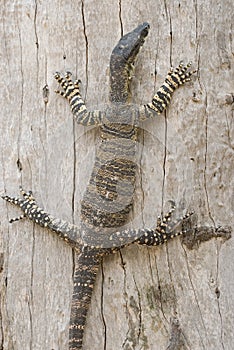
(166, 229)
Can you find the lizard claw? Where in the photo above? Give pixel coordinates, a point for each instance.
(168, 227)
(181, 74)
(29, 207)
(70, 87)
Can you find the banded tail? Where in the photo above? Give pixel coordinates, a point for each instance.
(87, 264)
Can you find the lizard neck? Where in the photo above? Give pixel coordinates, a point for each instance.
(120, 77)
(122, 61)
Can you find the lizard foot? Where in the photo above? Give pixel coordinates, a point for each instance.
(70, 87)
(168, 227)
(29, 207)
(180, 75)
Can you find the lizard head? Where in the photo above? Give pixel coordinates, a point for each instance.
(122, 61)
(129, 45)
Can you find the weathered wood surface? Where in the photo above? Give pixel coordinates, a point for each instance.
(187, 156)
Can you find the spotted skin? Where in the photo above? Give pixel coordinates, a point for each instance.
(29, 207)
(107, 200)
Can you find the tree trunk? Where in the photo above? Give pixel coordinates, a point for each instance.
(177, 296)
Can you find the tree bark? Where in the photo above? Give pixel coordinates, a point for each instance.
(177, 296)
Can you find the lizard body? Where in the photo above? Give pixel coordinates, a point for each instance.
(107, 200)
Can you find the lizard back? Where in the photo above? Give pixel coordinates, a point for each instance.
(108, 197)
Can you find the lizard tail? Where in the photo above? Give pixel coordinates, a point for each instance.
(86, 267)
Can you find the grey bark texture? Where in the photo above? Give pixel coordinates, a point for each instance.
(177, 296)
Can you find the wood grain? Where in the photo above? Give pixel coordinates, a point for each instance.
(185, 155)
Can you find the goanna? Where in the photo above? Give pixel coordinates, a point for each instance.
(108, 198)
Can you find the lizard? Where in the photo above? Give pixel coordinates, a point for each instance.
(108, 198)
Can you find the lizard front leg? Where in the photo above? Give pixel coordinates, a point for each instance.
(71, 91)
(175, 78)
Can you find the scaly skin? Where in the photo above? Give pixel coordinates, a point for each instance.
(108, 198)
